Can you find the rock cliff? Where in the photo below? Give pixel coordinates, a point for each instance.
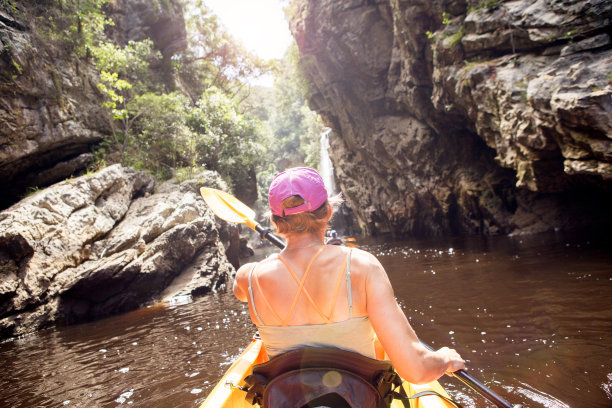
(106, 243)
(464, 116)
(50, 106)
(50, 109)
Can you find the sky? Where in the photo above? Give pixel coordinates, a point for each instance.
(259, 24)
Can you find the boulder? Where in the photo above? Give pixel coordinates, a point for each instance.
(107, 243)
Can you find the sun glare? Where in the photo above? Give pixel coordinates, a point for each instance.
(259, 24)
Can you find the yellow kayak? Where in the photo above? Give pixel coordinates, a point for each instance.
(227, 395)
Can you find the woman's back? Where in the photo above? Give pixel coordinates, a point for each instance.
(323, 297)
(307, 297)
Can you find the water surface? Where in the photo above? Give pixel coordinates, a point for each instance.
(532, 314)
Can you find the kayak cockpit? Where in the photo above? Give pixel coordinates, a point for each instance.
(231, 390)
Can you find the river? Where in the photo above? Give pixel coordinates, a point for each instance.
(532, 314)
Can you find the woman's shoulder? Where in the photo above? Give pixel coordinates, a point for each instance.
(250, 265)
(262, 265)
(363, 258)
(368, 266)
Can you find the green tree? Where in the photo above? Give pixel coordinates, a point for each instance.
(228, 141)
(78, 24)
(216, 120)
(123, 76)
(213, 58)
(293, 130)
(130, 62)
(161, 140)
(116, 91)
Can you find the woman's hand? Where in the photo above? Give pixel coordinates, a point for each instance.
(453, 360)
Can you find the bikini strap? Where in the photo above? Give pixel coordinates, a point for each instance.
(251, 294)
(336, 290)
(301, 288)
(262, 296)
(349, 291)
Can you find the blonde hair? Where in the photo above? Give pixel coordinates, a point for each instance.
(313, 222)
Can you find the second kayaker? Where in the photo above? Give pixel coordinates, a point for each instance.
(312, 294)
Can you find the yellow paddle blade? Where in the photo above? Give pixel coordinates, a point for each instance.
(227, 207)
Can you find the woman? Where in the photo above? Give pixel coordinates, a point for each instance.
(327, 295)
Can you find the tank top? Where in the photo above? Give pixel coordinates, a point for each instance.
(354, 334)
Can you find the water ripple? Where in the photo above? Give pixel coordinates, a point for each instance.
(532, 317)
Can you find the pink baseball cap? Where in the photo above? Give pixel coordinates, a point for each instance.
(301, 181)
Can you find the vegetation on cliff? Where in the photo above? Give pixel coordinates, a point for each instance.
(173, 109)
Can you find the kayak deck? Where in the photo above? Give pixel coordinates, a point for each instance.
(226, 396)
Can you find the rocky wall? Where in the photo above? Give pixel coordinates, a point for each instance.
(50, 109)
(455, 117)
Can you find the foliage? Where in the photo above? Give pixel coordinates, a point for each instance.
(161, 140)
(292, 121)
(294, 9)
(88, 23)
(228, 141)
(259, 103)
(118, 66)
(446, 18)
(115, 89)
(211, 117)
(169, 133)
(295, 129)
(163, 131)
(482, 5)
(31, 191)
(213, 58)
(456, 37)
(77, 24)
(130, 62)
(9, 5)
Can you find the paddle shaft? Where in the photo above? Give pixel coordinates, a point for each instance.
(477, 386)
(464, 377)
(266, 234)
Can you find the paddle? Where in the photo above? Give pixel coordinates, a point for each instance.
(477, 386)
(230, 209)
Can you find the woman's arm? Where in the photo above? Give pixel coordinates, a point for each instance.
(410, 358)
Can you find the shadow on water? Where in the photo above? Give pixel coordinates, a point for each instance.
(531, 314)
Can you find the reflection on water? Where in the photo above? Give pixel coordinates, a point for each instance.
(155, 357)
(531, 314)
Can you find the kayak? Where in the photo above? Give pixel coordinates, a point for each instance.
(226, 393)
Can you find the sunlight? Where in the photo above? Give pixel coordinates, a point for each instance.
(259, 24)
